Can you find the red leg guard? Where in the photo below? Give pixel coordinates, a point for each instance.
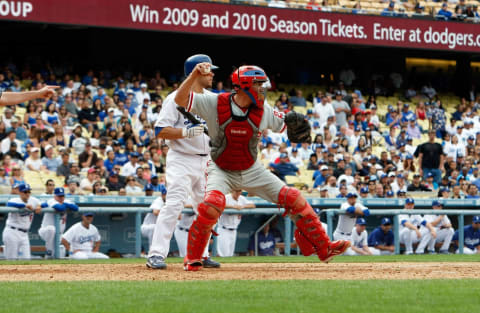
(208, 213)
(310, 235)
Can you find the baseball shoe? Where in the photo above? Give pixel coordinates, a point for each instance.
(209, 263)
(408, 253)
(335, 248)
(443, 252)
(156, 262)
(192, 266)
(432, 252)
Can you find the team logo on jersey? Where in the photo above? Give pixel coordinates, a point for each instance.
(83, 239)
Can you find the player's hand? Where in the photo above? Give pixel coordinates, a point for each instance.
(29, 206)
(47, 91)
(202, 68)
(192, 131)
(156, 212)
(392, 249)
(434, 234)
(419, 234)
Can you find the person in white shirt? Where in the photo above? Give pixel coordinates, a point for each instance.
(305, 151)
(83, 240)
(86, 184)
(443, 228)
(150, 219)
(130, 168)
(415, 229)
(6, 143)
(228, 223)
(323, 110)
(33, 162)
(142, 94)
(295, 158)
(347, 221)
(15, 234)
(47, 229)
(359, 238)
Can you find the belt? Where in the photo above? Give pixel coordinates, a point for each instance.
(184, 229)
(202, 155)
(19, 229)
(232, 229)
(345, 234)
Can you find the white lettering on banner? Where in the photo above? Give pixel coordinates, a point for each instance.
(340, 29)
(15, 8)
(245, 23)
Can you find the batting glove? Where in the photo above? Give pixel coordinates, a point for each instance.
(192, 131)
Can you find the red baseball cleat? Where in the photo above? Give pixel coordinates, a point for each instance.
(335, 248)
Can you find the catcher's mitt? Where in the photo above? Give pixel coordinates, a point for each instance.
(298, 128)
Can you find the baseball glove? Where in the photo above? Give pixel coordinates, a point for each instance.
(298, 128)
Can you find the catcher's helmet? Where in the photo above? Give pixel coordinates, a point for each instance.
(245, 76)
(194, 60)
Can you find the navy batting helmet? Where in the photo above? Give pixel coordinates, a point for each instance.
(194, 60)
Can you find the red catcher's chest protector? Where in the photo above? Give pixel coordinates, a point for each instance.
(235, 147)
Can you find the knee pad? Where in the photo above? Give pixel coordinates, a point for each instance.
(293, 202)
(213, 205)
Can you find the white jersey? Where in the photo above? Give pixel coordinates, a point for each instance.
(49, 218)
(81, 238)
(359, 240)
(415, 219)
(150, 218)
(170, 117)
(23, 219)
(444, 221)
(346, 222)
(205, 105)
(232, 221)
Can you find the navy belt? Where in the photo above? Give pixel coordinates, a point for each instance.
(232, 229)
(202, 155)
(346, 234)
(184, 229)
(19, 229)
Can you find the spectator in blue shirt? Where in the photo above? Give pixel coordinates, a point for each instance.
(120, 158)
(472, 192)
(100, 95)
(444, 13)
(381, 238)
(49, 161)
(390, 10)
(21, 133)
(109, 163)
(266, 242)
(284, 168)
(407, 115)
(471, 235)
(320, 176)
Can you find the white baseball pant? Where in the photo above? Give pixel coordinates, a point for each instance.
(17, 244)
(444, 235)
(226, 241)
(376, 251)
(85, 255)
(147, 232)
(408, 237)
(47, 233)
(338, 236)
(467, 250)
(185, 175)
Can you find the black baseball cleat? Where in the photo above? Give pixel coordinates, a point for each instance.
(209, 263)
(156, 262)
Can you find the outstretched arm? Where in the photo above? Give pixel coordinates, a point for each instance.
(12, 98)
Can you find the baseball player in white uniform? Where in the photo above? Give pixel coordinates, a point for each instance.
(15, 233)
(83, 240)
(228, 223)
(186, 166)
(415, 229)
(443, 228)
(150, 219)
(47, 229)
(360, 238)
(346, 222)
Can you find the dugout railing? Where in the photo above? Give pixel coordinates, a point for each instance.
(385, 207)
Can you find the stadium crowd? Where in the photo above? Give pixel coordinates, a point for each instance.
(95, 136)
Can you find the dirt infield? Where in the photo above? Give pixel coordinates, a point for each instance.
(241, 271)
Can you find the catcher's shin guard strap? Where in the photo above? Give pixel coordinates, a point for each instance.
(303, 243)
(311, 235)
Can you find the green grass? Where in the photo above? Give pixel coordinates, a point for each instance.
(425, 296)
(291, 259)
